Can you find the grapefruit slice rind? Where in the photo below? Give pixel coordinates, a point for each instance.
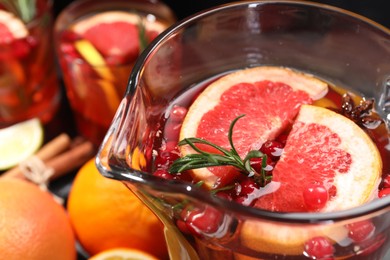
(308, 86)
(358, 185)
(118, 16)
(354, 187)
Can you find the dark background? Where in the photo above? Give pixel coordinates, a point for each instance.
(377, 10)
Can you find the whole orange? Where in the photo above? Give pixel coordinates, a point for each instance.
(32, 225)
(105, 215)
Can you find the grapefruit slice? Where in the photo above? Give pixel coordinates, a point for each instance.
(11, 28)
(323, 148)
(115, 33)
(270, 98)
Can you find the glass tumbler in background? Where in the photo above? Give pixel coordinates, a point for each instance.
(343, 48)
(29, 85)
(97, 43)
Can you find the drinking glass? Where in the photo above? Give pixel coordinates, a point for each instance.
(337, 46)
(95, 70)
(29, 85)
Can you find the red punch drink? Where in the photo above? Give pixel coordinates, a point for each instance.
(97, 45)
(28, 80)
(255, 131)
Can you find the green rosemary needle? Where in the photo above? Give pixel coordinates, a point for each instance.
(203, 159)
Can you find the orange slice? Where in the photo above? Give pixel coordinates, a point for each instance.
(123, 254)
(269, 97)
(325, 148)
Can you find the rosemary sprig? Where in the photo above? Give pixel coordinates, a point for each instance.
(143, 40)
(25, 9)
(203, 159)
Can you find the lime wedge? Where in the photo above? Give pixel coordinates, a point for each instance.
(19, 141)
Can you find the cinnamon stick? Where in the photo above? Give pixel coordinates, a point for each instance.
(48, 151)
(71, 159)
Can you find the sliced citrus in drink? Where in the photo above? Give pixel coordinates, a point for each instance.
(328, 164)
(116, 34)
(324, 151)
(11, 28)
(123, 254)
(270, 98)
(19, 141)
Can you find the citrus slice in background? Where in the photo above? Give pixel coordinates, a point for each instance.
(19, 141)
(270, 98)
(327, 150)
(116, 35)
(11, 28)
(123, 254)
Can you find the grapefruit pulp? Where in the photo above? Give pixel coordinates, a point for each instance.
(270, 98)
(116, 35)
(326, 149)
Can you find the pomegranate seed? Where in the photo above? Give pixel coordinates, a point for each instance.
(319, 248)
(177, 114)
(360, 231)
(384, 192)
(163, 174)
(273, 149)
(315, 196)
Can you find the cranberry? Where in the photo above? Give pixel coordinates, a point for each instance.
(272, 149)
(177, 114)
(360, 231)
(163, 174)
(315, 196)
(319, 248)
(203, 221)
(384, 192)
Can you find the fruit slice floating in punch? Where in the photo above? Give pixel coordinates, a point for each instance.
(11, 28)
(116, 35)
(270, 98)
(326, 150)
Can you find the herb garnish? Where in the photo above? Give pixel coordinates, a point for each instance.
(203, 159)
(143, 40)
(25, 9)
